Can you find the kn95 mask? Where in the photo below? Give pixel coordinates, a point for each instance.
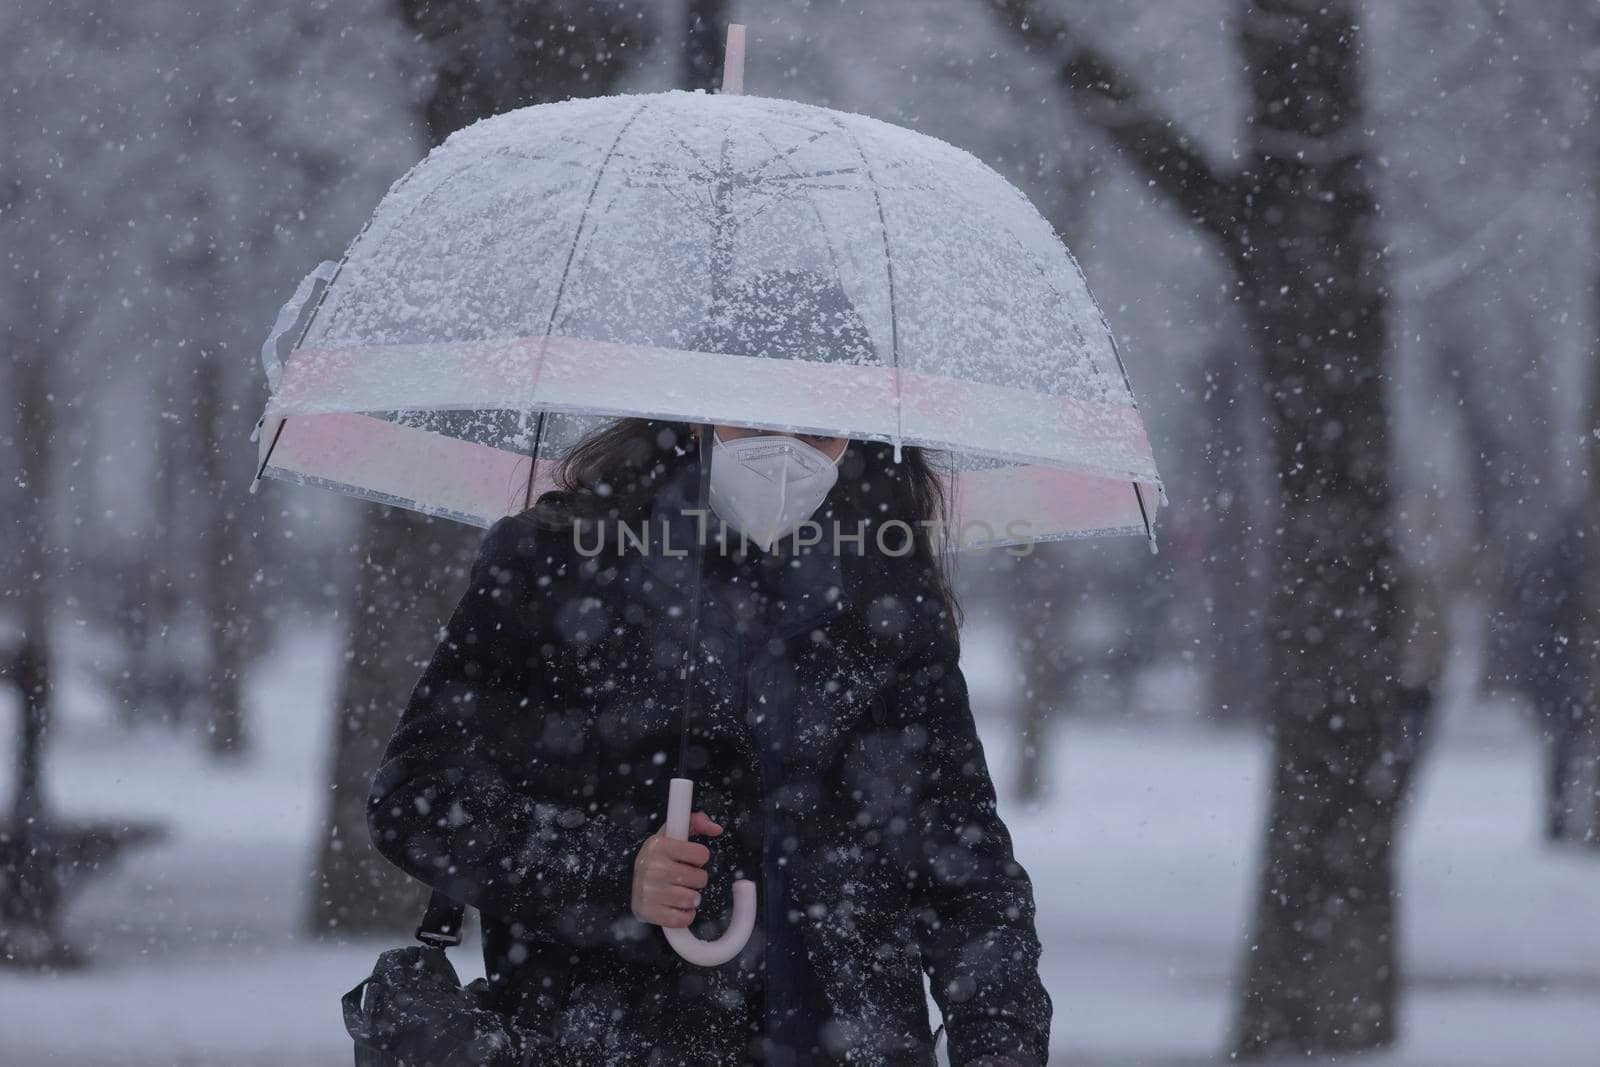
(768, 484)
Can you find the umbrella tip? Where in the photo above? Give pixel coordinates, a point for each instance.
(733, 61)
(255, 483)
(897, 450)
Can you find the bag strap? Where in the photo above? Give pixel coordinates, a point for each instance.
(441, 923)
(355, 1019)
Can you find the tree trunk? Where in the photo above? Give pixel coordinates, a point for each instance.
(1299, 225)
(705, 32)
(223, 587)
(410, 573)
(1044, 674)
(1586, 653)
(1234, 565)
(29, 912)
(157, 688)
(411, 568)
(32, 577)
(1322, 966)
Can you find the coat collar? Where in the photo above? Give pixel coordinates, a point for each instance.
(814, 582)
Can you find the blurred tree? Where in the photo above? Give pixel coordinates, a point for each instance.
(1235, 569)
(1038, 616)
(1298, 224)
(486, 58)
(496, 55)
(1575, 765)
(705, 33)
(213, 432)
(1486, 351)
(42, 320)
(1539, 578)
(32, 577)
(1554, 606)
(1005, 592)
(163, 217)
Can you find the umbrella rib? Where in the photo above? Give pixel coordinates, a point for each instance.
(822, 226)
(888, 265)
(794, 174)
(577, 236)
(744, 215)
(754, 174)
(533, 458)
(1149, 533)
(672, 190)
(561, 288)
(1111, 338)
(704, 165)
(328, 288)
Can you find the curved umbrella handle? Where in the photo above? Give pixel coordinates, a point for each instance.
(707, 953)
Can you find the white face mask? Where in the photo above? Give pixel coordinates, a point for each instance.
(768, 484)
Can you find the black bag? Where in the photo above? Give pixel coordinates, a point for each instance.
(412, 1011)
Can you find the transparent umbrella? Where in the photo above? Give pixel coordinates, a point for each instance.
(553, 266)
(708, 259)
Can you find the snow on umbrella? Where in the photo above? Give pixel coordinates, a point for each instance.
(707, 259)
(551, 267)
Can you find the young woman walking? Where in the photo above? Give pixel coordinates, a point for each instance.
(833, 752)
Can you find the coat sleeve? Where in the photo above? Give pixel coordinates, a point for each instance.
(975, 903)
(479, 793)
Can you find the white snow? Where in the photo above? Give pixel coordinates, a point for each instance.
(1143, 866)
(573, 257)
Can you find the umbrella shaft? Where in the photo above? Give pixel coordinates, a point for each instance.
(688, 670)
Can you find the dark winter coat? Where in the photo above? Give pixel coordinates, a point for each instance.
(533, 760)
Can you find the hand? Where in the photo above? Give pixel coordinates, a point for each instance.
(669, 874)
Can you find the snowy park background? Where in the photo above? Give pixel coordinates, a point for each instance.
(1142, 862)
(224, 664)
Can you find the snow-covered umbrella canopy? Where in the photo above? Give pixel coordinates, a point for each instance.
(707, 258)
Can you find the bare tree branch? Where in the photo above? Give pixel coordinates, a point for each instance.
(1107, 97)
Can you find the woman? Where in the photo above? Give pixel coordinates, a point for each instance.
(832, 748)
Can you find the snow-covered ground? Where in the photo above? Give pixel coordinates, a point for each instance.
(1143, 865)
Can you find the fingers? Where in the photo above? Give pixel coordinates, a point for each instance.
(665, 868)
(675, 906)
(661, 851)
(701, 823)
(673, 897)
(673, 917)
(691, 852)
(686, 875)
(668, 905)
(670, 876)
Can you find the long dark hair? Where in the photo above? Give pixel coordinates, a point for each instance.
(611, 474)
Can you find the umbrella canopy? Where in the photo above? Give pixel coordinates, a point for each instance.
(707, 258)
